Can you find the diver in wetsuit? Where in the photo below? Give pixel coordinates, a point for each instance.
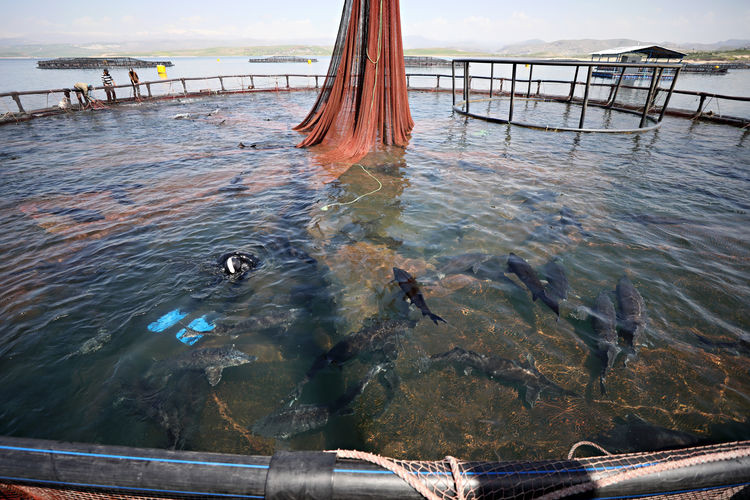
(236, 264)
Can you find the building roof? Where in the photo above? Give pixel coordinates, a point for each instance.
(652, 51)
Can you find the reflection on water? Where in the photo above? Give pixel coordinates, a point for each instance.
(113, 220)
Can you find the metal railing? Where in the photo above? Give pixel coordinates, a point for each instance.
(494, 86)
(655, 72)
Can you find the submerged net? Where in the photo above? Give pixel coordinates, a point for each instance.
(364, 98)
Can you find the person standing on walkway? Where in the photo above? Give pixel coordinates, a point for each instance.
(135, 81)
(109, 86)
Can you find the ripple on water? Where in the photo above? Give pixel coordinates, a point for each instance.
(111, 229)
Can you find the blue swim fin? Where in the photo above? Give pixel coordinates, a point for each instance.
(187, 339)
(188, 335)
(166, 321)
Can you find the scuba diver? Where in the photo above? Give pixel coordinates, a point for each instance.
(234, 265)
(237, 264)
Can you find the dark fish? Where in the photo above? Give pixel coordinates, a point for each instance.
(632, 311)
(742, 346)
(93, 344)
(377, 334)
(467, 263)
(409, 286)
(290, 421)
(504, 370)
(211, 360)
(278, 319)
(528, 277)
(568, 218)
(632, 434)
(557, 282)
(604, 320)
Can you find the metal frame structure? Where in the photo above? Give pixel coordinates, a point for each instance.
(463, 107)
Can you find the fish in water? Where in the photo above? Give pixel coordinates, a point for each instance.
(93, 344)
(632, 311)
(604, 320)
(211, 360)
(505, 370)
(409, 286)
(528, 277)
(632, 434)
(279, 319)
(376, 335)
(290, 421)
(557, 281)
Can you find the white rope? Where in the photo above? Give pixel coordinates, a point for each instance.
(355, 200)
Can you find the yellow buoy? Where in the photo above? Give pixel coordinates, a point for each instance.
(162, 71)
(309, 61)
(218, 60)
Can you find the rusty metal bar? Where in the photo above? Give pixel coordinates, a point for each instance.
(512, 93)
(467, 84)
(18, 102)
(669, 95)
(585, 97)
(528, 89)
(453, 81)
(492, 77)
(648, 99)
(573, 84)
(616, 89)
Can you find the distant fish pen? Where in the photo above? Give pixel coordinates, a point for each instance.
(36, 469)
(98, 63)
(281, 59)
(38, 103)
(419, 61)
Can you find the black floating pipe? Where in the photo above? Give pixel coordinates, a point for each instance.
(320, 475)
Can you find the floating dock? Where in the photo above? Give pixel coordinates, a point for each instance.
(98, 62)
(281, 59)
(414, 61)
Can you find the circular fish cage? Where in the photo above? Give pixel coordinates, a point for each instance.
(613, 98)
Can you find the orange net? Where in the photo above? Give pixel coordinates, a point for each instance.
(364, 98)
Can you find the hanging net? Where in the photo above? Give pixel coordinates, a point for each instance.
(364, 99)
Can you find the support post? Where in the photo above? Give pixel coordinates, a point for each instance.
(528, 89)
(408, 81)
(512, 93)
(184, 87)
(669, 95)
(573, 84)
(221, 80)
(18, 103)
(585, 97)
(438, 82)
(467, 85)
(316, 82)
(492, 77)
(453, 81)
(616, 89)
(648, 99)
(252, 83)
(287, 81)
(148, 88)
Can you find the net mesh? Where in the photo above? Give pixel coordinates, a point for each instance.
(364, 98)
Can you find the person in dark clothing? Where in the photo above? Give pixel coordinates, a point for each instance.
(135, 81)
(109, 84)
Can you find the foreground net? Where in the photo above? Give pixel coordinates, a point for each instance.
(51, 470)
(364, 98)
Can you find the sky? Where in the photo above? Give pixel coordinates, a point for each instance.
(483, 22)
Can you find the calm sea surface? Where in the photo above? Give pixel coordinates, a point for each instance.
(112, 219)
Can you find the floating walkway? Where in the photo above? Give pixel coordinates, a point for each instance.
(25, 105)
(282, 59)
(98, 63)
(31, 468)
(419, 61)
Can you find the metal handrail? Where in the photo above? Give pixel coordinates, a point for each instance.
(656, 72)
